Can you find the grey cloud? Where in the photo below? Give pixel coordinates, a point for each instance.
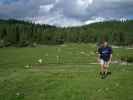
(22, 8)
(66, 12)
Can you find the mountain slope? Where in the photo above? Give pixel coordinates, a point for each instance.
(22, 33)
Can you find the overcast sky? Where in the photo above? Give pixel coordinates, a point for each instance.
(66, 12)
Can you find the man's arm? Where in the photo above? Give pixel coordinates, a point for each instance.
(98, 55)
(98, 58)
(110, 59)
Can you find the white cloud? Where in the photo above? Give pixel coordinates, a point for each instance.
(45, 8)
(67, 12)
(58, 20)
(90, 1)
(98, 19)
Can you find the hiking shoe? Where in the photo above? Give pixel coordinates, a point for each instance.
(102, 77)
(100, 73)
(109, 73)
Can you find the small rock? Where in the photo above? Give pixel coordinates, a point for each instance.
(99, 90)
(40, 61)
(17, 94)
(27, 66)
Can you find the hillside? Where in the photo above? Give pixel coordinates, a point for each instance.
(22, 33)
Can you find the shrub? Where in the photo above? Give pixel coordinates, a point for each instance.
(4, 43)
(127, 58)
(130, 59)
(23, 43)
(1, 43)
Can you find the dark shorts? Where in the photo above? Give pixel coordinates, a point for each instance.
(105, 59)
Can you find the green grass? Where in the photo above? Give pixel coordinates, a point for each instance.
(65, 74)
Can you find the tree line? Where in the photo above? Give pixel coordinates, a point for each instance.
(22, 33)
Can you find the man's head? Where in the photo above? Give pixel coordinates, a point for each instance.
(105, 44)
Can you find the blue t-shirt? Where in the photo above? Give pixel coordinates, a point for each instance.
(105, 53)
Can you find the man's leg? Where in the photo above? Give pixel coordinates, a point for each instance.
(102, 69)
(106, 68)
(108, 71)
(103, 75)
(102, 66)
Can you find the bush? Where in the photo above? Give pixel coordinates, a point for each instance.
(1, 43)
(23, 43)
(128, 59)
(4, 44)
(34, 44)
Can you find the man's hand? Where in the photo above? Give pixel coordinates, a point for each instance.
(110, 60)
(98, 58)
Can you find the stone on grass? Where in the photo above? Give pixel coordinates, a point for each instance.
(40, 61)
(17, 94)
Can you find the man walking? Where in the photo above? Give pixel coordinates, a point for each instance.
(104, 58)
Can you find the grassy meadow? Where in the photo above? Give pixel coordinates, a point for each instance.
(66, 72)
